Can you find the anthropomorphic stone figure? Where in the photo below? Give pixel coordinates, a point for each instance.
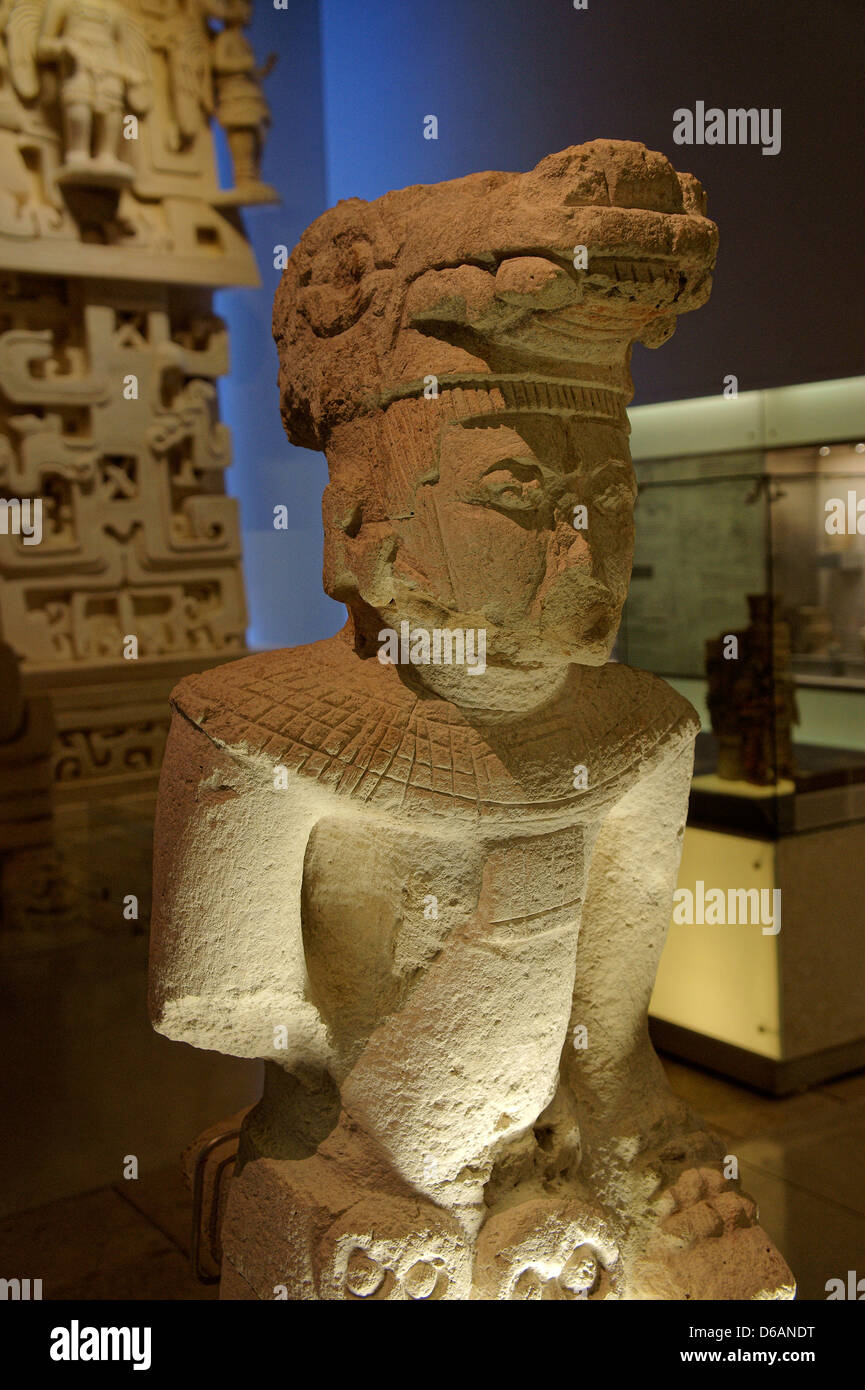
(752, 696)
(102, 65)
(241, 108)
(433, 896)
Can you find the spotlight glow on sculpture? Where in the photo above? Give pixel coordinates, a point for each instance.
(461, 1103)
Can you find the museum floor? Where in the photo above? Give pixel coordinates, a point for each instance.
(800, 1157)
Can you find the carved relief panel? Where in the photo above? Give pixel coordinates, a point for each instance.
(108, 416)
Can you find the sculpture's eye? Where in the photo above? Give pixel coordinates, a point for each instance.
(617, 497)
(511, 485)
(614, 488)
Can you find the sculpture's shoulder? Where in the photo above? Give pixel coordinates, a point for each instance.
(314, 709)
(645, 716)
(617, 723)
(259, 702)
(630, 724)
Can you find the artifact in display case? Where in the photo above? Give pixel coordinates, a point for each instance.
(781, 522)
(751, 697)
(784, 523)
(764, 548)
(812, 631)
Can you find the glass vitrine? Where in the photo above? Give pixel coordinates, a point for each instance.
(748, 595)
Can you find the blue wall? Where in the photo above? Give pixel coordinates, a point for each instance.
(510, 81)
(287, 604)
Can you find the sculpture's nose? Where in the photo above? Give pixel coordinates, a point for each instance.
(613, 173)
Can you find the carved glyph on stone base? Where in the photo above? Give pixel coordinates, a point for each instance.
(433, 898)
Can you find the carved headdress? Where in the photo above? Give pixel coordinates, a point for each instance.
(531, 287)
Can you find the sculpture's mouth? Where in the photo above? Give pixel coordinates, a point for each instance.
(615, 299)
(652, 283)
(639, 271)
(539, 315)
(581, 612)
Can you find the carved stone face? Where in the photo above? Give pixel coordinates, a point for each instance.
(500, 498)
(525, 528)
(535, 520)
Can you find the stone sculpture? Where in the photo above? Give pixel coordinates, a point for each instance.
(93, 44)
(752, 696)
(241, 108)
(433, 898)
(114, 232)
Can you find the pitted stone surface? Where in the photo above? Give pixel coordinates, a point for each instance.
(432, 895)
(319, 712)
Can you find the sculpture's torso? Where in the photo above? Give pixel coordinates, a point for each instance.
(413, 823)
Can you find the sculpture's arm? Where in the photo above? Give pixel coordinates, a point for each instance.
(616, 1077)
(227, 969)
(51, 44)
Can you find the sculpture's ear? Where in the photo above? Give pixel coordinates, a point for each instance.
(359, 551)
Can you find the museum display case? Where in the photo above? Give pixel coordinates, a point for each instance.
(718, 531)
(748, 596)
